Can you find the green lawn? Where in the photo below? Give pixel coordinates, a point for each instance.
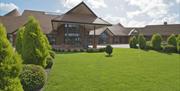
(127, 70)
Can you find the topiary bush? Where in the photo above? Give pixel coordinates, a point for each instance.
(133, 42)
(156, 42)
(35, 48)
(172, 40)
(49, 62)
(109, 50)
(170, 49)
(10, 64)
(142, 41)
(32, 77)
(19, 39)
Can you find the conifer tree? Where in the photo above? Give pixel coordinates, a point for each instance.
(19, 39)
(172, 40)
(10, 64)
(142, 41)
(156, 42)
(35, 47)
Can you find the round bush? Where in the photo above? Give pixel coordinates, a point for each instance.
(32, 77)
(109, 49)
(49, 62)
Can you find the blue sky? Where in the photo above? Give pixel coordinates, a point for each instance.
(130, 13)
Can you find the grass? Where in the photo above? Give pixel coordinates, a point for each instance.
(126, 70)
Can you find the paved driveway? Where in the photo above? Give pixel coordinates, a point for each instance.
(114, 46)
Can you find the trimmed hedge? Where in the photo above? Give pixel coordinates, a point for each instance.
(170, 49)
(33, 77)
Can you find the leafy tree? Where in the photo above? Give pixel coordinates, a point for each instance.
(10, 64)
(156, 42)
(109, 50)
(19, 39)
(133, 42)
(141, 41)
(35, 48)
(172, 40)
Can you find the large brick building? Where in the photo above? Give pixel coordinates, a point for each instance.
(80, 27)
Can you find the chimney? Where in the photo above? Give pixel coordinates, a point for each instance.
(165, 23)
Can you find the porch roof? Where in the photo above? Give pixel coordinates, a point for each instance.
(81, 19)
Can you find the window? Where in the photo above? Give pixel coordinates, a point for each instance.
(103, 38)
(72, 34)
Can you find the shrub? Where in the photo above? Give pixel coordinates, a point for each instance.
(35, 47)
(19, 39)
(49, 62)
(32, 77)
(69, 50)
(102, 49)
(90, 50)
(172, 40)
(75, 50)
(148, 45)
(109, 49)
(178, 44)
(81, 50)
(141, 41)
(169, 48)
(10, 64)
(52, 54)
(133, 42)
(156, 42)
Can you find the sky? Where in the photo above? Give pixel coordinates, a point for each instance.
(130, 13)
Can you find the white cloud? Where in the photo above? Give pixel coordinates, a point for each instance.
(115, 19)
(7, 7)
(70, 3)
(153, 8)
(94, 3)
(169, 18)
(177, 1)
(124, 21)
(97, 3)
